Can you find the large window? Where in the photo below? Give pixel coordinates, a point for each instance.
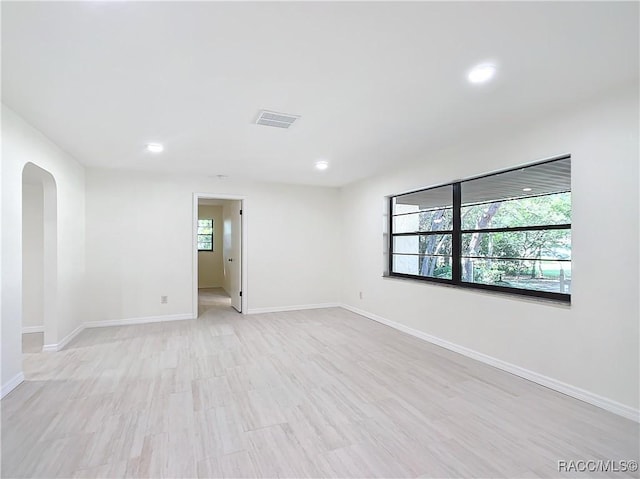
(205, 235)
(508, 231)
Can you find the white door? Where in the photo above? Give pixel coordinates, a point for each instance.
(232, 251)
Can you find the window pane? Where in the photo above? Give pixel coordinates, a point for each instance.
(426, 200)
(530, 200)
(533, 245)
(205, 242)
(552, 209)
(543, 179)
(423, 244)
(539, 275)
(418, 265)
(205, 227)
(433, 220)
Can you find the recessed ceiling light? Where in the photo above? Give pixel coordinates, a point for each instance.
(155, 147)
(526, 189)
(322, 165)
(481, 73)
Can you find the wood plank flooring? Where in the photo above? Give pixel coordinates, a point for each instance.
(210, 297)
(322, 393)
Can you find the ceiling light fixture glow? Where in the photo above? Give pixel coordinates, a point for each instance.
(155, 147)
(322, 165)
(481, 73)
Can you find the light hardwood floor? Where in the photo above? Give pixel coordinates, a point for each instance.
(323, 393)
(210, 297)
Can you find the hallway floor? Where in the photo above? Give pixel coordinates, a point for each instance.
(212, 299)
(32, 342)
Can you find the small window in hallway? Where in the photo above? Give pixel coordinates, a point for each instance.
(205, 235)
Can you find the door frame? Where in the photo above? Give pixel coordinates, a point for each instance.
(243, 247)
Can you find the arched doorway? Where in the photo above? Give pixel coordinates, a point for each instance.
(39, 258)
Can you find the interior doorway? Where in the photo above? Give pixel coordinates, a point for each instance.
(39, 258)
(219, 265)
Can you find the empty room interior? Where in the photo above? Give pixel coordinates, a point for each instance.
(320, 239)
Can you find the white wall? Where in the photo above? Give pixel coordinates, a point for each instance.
(32, 255)
(210, 266)
(21, 143)
(139, 242)
(593, 344)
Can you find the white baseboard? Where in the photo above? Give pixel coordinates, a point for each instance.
(299, 307)
(11, 384)
(568, 389)
(142, 320)
(51, 348)
(32, 329)
(114, 322)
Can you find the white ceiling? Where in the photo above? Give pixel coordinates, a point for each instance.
(375, 83)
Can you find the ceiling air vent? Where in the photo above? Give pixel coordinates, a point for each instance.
(272, 118)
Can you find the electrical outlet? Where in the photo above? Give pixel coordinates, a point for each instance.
(164, 299)
(360, 294)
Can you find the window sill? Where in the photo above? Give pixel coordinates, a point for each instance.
(564, 303)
